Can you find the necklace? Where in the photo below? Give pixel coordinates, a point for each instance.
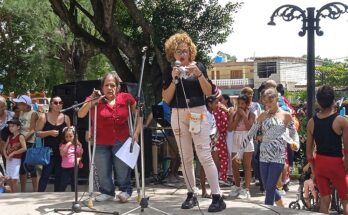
(273, 114)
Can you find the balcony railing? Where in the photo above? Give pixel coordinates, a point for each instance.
(233, 82)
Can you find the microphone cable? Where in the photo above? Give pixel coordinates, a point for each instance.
(179, 135)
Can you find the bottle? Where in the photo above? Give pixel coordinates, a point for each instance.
(343, 111)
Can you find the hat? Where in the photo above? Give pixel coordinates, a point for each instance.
(23, 99)
(14, 121)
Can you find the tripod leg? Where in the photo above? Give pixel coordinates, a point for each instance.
(137, 182)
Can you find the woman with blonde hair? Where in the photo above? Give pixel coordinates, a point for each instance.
(185, 86)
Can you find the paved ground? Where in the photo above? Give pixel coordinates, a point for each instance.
(166, 197)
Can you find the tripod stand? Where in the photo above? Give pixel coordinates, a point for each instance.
(76, 207)
(144, 202)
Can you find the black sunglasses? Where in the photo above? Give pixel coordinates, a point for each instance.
(58, 103)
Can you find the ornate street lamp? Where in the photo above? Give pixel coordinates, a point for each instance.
(310, 23)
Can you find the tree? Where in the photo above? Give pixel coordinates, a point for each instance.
(122, 28)
(334, 74)
(228, 57)
(51, 48)
(18, 51)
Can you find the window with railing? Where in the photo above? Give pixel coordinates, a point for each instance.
(265, 69)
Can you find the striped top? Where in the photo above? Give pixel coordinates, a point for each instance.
(275, 137)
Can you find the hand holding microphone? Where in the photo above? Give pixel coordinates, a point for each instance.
(96, 96)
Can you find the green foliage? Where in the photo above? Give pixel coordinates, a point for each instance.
(97, 67)
(207, 22)
(24, 64)
(333, 74)
(298, 96)
(228, 57)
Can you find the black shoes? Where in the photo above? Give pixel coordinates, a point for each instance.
(217, 204)
(190, 201)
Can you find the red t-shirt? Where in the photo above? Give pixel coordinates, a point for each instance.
(112, 121)
(14, 145)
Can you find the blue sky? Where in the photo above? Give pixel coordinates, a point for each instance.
(253, 37)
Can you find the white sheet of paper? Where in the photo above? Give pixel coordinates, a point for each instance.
(126, 156)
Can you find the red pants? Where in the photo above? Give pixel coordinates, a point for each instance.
(331, 169)
(223, 156)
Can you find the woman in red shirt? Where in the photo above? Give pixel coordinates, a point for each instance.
(111, 132)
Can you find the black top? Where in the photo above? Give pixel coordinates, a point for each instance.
(193, 89)
(54, 142)
(327, 141)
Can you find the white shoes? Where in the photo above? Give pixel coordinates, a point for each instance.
(103, 197)
(234, 191)
(123, 197)
(244, 194)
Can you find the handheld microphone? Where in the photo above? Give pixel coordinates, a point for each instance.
(177, 63)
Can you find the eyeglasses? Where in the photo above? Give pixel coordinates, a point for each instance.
(180, 52)
(58, 103)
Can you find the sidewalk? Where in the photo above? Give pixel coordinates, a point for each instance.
(167, 198)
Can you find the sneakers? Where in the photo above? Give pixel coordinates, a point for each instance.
(234, 191)
(244, 194)
(190, 202)
(103, 197)
(217, 203)
(123, 196)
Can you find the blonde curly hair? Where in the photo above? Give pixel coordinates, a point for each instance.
(173, 42)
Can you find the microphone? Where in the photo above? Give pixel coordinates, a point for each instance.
(177, 63)
(144, 49)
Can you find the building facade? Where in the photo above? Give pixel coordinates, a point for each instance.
(231, 77)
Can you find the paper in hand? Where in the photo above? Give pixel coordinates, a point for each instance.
(124, 154)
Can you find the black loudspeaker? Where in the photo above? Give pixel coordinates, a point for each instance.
(69, 93)
(131, 88)
(147, 153)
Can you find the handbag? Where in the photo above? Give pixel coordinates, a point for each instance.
(38, 155)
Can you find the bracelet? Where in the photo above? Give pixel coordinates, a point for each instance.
(200, 75)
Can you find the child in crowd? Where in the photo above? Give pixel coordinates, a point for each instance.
(14, 147)
(241, 123)
(67, 151)
(309, 186)
(28, 119)
(212, 104)
(4, 188)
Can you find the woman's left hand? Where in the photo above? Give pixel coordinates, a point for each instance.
(136, 137)
(194, 70)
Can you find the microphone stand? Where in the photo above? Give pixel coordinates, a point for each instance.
(144, 202)
(76, 207)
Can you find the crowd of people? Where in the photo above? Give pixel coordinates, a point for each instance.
(261, 137)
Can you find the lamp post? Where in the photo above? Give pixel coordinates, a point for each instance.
(310, 24)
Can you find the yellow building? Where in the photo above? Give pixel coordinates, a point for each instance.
(231, 77)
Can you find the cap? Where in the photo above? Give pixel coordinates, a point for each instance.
(14, 121)
(23, 99)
